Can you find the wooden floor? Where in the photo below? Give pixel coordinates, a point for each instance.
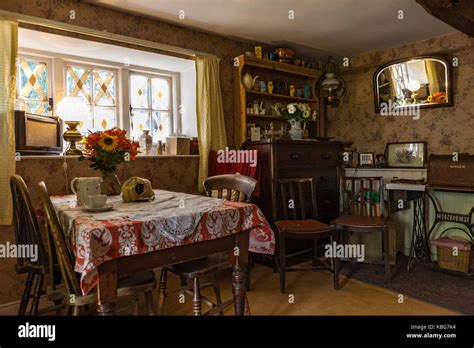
(314, 295)
(312, 292)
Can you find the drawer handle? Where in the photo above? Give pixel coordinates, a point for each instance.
(295, 156)
(324, 178)
(326, 156)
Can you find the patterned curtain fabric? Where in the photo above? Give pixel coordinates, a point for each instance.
(9, 53)
(209, 111)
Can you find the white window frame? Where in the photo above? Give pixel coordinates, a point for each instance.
(57, 78)
(151, 75)
(115, 70)
(49, 70)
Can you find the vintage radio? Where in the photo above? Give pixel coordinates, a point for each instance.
(37, 135)
(451, 172)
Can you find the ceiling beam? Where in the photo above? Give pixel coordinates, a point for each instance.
(457, 13)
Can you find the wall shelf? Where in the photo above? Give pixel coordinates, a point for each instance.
(282, 67)
(273, 117)
(282, 96)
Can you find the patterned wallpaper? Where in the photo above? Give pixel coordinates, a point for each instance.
(104, 19)
(445, 129)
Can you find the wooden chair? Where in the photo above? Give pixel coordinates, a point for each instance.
(238, 188)
(363, 210)
(73, 298)
(300, 224)
(28, 232)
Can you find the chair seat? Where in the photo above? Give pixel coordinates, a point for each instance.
(302, 226)
(360, 221)
(202, 266)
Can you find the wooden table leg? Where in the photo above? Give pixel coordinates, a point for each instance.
(238, 289)
(107, 287)
(239, 277)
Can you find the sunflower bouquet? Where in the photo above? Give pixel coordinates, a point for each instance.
(107, 149)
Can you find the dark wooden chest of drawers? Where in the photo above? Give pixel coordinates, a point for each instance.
(281, 158)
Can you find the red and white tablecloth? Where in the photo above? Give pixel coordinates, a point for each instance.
(170, 220)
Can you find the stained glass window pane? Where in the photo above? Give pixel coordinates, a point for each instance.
(139, 92)
(39, 108)
(104, 87)
(32, 92)
(78, 81)
(160, 90)
(140, 120)
(160, 125)
(33, 80)
(104, 118)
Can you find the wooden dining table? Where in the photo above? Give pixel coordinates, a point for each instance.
(174, 227)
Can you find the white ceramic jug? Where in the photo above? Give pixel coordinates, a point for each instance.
(85, 187)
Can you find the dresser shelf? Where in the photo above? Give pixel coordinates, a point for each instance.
(282, 96)
(272, 117)
(268, 70)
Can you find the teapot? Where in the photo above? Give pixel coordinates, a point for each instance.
(249, 81)
(85, 187)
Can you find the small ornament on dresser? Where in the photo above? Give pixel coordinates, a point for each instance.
(297, 113)
(292, 90)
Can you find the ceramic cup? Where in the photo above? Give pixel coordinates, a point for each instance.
(96, 201)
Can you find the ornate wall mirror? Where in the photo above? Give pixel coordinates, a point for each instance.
(422, 81)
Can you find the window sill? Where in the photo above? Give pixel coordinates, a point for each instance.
(61, 157)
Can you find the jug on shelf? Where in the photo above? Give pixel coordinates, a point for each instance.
(85, 187)
(249, 81)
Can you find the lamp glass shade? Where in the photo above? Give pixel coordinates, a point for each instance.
(72, 109)
(330, 82)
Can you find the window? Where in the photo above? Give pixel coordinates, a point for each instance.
(33, 87)
(97, 87)
(150, 105)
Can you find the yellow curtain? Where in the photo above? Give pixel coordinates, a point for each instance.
(9, 53)
(209, 111)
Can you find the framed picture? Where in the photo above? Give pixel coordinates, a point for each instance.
(406, 155)
(366, 159)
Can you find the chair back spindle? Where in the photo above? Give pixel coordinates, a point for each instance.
(292, 196)
(363, 196)
(26, 225)
(65, 258)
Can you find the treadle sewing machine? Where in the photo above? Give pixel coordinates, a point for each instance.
(446, 173)
(451, 173)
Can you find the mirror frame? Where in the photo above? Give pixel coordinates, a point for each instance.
(449, 78)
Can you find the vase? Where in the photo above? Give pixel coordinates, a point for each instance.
(146, 142)
(296, 131)
(110, 183)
